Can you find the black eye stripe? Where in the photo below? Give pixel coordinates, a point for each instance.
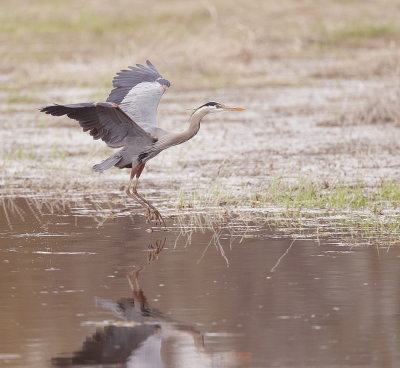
(212, 103)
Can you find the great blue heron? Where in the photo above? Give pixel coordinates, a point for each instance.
(128, 120)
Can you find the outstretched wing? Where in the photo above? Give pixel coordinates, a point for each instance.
(138, 91)
(105, 121)
(129, 78)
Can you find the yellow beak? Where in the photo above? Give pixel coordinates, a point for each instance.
(234, 108)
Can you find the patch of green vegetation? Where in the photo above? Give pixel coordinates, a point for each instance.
(216, 196)
(308, 194)
(356, 33)
(47, 20)
(94, 23)
(30, 152)
(17, 153)
(364, 31)
(99, 94)
(42, 124)
(306, 207)
(58, 153)
(389, 191)
(304, 194)
(351, 228)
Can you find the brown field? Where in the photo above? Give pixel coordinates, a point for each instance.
(47, 44)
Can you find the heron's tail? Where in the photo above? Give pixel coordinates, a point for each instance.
(107, 163)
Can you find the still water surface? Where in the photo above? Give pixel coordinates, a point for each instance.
(75, 294)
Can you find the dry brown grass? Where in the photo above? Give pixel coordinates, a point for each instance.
(380, 106)
(197, 44)
(370, 105)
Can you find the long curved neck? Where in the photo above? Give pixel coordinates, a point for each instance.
(194, 122)
(174, 139)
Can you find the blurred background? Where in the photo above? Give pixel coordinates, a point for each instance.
(199, 44)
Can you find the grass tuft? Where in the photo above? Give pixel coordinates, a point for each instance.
(379, 106)
(304, 194)
(357, 32)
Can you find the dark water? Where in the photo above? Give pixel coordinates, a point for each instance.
(66, 299)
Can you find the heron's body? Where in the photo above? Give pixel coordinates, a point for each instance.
(128, 120)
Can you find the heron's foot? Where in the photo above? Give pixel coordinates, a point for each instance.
(153, 214)
(158, 218)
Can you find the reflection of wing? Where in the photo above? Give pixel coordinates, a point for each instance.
(131, 309)
(138, 93)
(103, 121)
(148, 355)
(116, 345)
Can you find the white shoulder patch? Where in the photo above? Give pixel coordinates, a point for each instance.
(141, 104)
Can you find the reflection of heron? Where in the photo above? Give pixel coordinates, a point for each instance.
(153, 250)
(128, 120)
(145, 337)
(137, 341)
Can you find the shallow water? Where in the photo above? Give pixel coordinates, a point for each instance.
(263, 301)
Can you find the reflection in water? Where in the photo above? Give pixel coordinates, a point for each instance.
(139, 339)
(137, 343)
(289, 304)
(113, 344)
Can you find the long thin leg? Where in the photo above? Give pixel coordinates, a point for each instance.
(133, 279)
(157, 214)
(136, 172)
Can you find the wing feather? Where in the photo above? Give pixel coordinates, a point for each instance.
(138, 91)
(126, 79)
(104, 121)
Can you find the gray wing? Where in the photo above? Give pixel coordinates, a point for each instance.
(126, 79)
(105, 121)
(138, 93)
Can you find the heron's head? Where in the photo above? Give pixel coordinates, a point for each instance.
(218, 107)
(164, 83)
